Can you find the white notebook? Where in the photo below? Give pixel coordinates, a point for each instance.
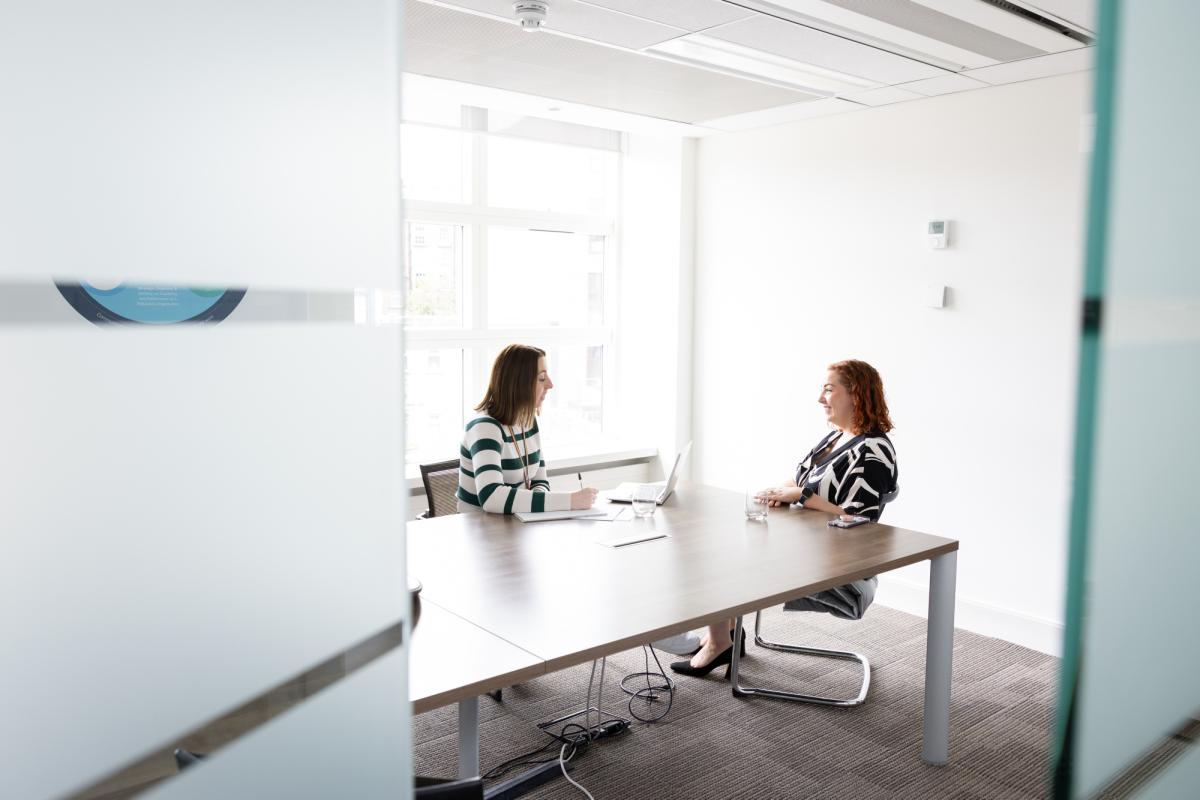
(542, 516)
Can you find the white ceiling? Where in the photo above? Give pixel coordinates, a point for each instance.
(731, 65)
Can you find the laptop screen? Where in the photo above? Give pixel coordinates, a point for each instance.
(675, 470)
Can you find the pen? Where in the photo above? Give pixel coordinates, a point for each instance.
(580, 476)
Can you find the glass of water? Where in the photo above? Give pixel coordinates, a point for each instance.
(645, 500)
(756, 505)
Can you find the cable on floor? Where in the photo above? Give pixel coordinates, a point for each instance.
(572, 735)
(652, 691)
(578, 743)
(562, 763)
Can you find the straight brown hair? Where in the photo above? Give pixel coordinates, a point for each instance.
(512, 388)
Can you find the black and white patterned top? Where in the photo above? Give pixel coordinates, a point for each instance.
(855, 475)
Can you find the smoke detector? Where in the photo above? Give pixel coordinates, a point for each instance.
(531, 13)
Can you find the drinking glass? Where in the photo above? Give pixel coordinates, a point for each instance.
(645, 499)
(756, 505)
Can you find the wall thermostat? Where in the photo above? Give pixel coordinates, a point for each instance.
(938, 233)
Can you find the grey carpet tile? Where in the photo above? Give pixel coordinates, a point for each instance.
(1040, 683)
(433, 723)
(1012, 753)
(798, 743)
(996, 689)
(1035, 712)
(711, 756)
(952, 781)
(1027, 678)
(714, 745)
(763, 784)
(902, 771)
(977, 658)
(904, 652)
(843, 784)
(886, 726)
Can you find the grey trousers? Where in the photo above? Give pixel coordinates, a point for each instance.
(848, 602)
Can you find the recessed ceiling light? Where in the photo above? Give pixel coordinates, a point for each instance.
(698, 50)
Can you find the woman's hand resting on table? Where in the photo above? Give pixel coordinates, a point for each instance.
(781, 495)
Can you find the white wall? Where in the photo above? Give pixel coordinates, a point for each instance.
(654, 336)
(810, 249)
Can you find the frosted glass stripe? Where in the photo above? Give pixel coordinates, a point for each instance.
(348, 742)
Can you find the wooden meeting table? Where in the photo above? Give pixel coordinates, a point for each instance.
(538, 597)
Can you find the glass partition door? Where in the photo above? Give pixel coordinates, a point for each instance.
(201, 521)
(1130, 675)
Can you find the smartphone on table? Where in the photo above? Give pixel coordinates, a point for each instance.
(848, 521)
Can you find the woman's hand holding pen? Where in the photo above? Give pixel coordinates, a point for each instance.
(583, 499)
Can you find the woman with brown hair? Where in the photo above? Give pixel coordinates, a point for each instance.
(501, 469)
(848, 472)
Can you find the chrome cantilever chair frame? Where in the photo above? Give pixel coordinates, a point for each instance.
(779, 694)
(818, 652)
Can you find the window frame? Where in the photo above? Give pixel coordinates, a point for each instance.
(475, 336)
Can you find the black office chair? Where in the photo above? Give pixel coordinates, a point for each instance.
(441, 485)
(779, 694)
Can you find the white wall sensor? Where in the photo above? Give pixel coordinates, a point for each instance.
(939, 233)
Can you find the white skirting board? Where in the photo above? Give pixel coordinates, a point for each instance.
(1036, 633)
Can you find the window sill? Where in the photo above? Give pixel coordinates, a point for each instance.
(580, 459)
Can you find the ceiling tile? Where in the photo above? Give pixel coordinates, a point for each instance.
(781, 115)
(882, 97)
(809, 46)
(907, 25)
(581, 19)
(690, 15)
(947, 84)
(1040, 67)
(444, 43)
(510, 102)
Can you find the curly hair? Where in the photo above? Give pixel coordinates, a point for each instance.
(866, 387)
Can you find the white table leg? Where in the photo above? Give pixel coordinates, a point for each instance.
(468, 737)
(939, 649)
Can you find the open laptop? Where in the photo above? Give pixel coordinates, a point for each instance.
(624, 492)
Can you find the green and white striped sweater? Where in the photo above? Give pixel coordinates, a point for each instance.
(490, 474)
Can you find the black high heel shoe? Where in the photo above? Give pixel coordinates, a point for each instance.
(724, 657)
(731, 630)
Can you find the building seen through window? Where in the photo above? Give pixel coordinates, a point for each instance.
(509, 237)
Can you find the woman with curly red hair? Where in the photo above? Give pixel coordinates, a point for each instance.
(852, 467)
(848, 472)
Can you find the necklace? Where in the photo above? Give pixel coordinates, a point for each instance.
(523, 451)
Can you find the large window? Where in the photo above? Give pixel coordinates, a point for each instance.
(509, 237)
